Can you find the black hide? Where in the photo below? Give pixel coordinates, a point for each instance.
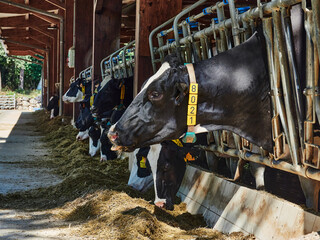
(54, 104)
(233, 95)
(109, 95)
(94, 133)
(105, 143)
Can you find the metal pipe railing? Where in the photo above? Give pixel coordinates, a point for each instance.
(246, 16)
(292, 137)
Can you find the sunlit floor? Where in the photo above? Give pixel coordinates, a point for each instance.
(20, 151)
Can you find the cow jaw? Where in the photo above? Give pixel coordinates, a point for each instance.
(77, 98)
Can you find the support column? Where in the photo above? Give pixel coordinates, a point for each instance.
(106, 31)
(149, 15)
(68, 72)
(83, 32)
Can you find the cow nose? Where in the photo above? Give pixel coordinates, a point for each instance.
(113, 136)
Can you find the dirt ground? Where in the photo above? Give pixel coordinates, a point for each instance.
(51, 189)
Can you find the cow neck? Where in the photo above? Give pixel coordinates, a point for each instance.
(190, 136)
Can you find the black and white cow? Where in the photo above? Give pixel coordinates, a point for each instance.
(75, 92)
(94, 139)
(84, 121)
(233, 95)
(163, 165)
(105, 149)
(53, 106)
(109, 96)
(233, 80)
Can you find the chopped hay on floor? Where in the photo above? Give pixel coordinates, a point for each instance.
(95, 196)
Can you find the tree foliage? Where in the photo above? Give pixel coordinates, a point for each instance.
(10, 72)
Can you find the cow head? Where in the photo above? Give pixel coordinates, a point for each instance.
(233, 95)
(53, 106)
(140, 176)
(106, 152)
(168, 168)
(85, 119)
(109, 95)
(75, 93)
(82, 135)
(94, 140)
(158, 111)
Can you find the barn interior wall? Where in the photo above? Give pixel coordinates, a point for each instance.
(106, 32)
(149, 15)
(68, 72)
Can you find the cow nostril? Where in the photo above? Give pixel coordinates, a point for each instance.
(113, 136)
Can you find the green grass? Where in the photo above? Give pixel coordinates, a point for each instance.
(22, 93)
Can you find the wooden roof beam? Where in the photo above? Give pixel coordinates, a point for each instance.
(43, 5)
(46, 18)
(59, 4)
(22, 21)
(43, 31)
(28, 40)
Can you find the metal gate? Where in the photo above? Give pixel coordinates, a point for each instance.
(7, 101)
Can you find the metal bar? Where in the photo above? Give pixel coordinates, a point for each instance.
(281, 164)
(294, 72)
(26, 60)
(316, 22)
(310, 90)
(177, 18)
(246, 16)
(151, 44)
(234, 22)
(292, 137)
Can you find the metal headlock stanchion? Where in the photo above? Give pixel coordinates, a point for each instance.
(287, 107)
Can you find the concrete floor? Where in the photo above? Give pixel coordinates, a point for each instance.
(19, 148)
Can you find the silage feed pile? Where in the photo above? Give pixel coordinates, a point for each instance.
(95, 196)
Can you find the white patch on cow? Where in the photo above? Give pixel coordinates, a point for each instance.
(50, 98)
(199, 129)
(105, 80)
(153, 157)
(103, 157)
(161, 70)
(92, 149)
(131, 156)
(52, 114)
(82, 135)
(77, 98)
(243, 79)
(137, 183)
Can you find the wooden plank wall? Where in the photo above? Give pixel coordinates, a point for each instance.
(106, 32)
(149, 15)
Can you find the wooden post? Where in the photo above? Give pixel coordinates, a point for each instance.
(83, 31)
(0, 81)
(149, 15)
(68, 72)
(83, 42)
(106, 31)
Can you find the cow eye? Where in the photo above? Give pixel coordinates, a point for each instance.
(154, 96)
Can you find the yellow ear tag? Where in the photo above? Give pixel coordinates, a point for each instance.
(91, 100)
(189, 158)
(143, 162)
(178, 142)
(83, 90)
(123, 90)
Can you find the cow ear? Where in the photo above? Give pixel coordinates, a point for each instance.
(173, 59)
(182, 90)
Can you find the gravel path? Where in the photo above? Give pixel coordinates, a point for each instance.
(19, 148)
